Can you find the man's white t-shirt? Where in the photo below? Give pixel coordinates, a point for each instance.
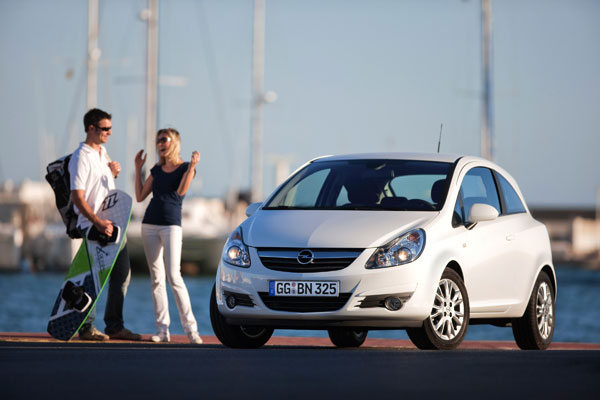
(90, 172)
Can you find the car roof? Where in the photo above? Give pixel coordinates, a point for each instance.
(393, 156)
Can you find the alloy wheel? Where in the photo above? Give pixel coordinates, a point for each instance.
(448, 312)
(544, 310)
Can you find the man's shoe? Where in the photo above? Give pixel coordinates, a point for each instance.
(125, 334)
(161, 337)
(194, 338)
(93, 334)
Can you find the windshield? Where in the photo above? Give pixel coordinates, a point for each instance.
(365, 185)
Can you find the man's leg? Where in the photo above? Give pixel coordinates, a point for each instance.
(87, 330)
(117, 289)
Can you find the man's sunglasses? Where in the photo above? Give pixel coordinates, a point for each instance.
(163, 139)
(104, 128)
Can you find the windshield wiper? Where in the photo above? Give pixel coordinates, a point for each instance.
(359, 207)
(286, 208)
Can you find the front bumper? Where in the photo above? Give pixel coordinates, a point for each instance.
(365, 290)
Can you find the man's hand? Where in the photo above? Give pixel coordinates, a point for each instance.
(115, 168)
(104, 226)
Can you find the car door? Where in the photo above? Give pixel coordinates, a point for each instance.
(486, 256)
(521, 236)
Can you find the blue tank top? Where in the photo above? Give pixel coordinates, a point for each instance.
(165, 205)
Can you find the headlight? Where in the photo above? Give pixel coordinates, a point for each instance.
(402, 250)
(235, 251)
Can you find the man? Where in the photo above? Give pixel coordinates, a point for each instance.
(92, 177)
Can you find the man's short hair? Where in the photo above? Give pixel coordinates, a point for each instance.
(93, 117)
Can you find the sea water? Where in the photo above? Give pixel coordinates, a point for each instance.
(27, 299)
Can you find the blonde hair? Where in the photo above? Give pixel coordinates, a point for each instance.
(173, 154)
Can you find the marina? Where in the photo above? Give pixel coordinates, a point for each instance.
(32, 236)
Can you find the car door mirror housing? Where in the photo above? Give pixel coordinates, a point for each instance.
(252, 208)
(480, 212)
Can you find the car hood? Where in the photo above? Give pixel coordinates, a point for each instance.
(329, 229)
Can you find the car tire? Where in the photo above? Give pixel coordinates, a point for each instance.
(236, 336)
(446, 326)
(347, 337)
(535, 329)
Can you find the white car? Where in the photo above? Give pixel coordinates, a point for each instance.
(429, 243)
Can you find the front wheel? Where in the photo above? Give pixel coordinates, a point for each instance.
(535, 329)
(236, 336)
(446, 326)
(347, 337)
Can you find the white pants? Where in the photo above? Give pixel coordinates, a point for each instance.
(162, 245)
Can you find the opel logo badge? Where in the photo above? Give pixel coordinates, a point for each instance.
(305, 257)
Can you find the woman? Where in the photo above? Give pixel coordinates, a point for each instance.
(169, 180)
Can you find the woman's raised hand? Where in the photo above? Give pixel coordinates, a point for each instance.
(140, 160)
(195, 158)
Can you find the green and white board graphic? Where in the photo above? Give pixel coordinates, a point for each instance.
(90, 269)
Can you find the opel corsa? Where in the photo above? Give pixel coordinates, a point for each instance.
(429, 243)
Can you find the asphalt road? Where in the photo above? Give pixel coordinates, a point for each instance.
(150, 371)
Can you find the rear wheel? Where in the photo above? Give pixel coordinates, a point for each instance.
(535, 329)
(347, 337)
(446, 326)
(236, 336)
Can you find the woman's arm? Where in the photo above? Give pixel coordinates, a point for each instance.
(188, 175)
(141, 190)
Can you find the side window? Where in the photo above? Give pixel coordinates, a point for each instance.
(512, 201)
(478, 186)
(458, 217)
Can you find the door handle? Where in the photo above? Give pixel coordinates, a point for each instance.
(510, 237)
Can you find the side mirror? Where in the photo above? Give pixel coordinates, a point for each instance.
(252, 208)
(480, 212)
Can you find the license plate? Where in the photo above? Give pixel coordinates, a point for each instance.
(304, 288)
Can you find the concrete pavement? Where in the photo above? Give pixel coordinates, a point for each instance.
(288, 368)
(307, 341)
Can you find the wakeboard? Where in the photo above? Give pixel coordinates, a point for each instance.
(90, 268)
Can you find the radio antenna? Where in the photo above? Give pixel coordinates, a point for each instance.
(440, 139)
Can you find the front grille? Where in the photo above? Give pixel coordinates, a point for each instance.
(304, 304)
(324, 260)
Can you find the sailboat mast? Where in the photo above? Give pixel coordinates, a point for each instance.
(258, 58)
(93, 55)
(487, 121)
(151, 16)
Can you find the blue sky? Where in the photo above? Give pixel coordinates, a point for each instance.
(351, 76)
